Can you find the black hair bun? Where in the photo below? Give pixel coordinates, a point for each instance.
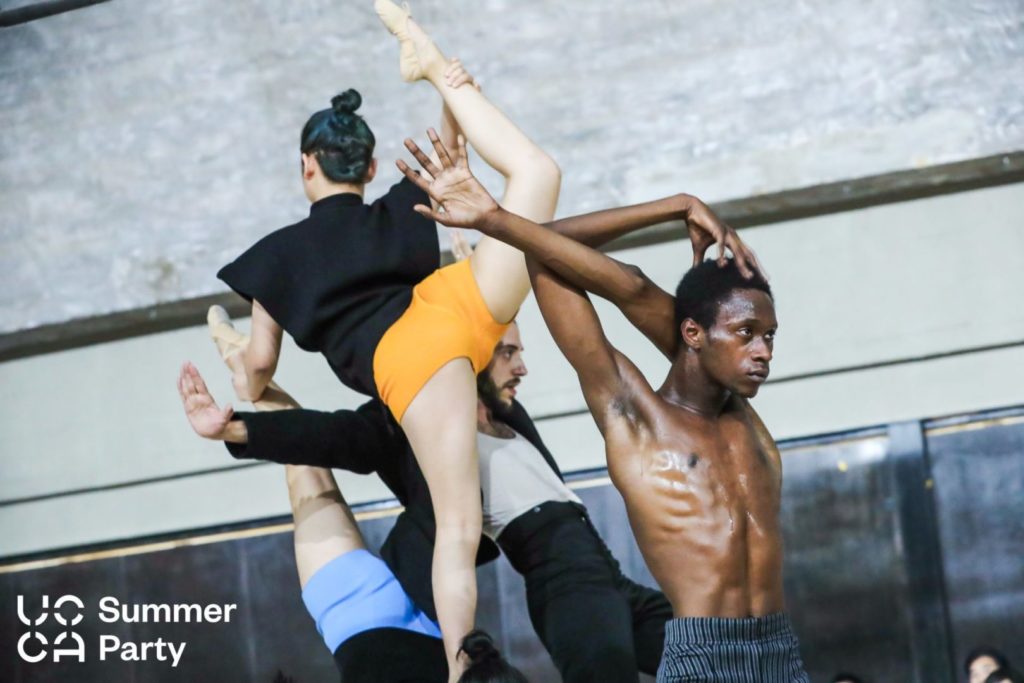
(479, 647)
(347, 102)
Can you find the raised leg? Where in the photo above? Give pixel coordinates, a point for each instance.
(230, 344)
(324, 525)
(532, 178)
(441, 426)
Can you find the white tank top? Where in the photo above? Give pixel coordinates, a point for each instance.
(515, 477)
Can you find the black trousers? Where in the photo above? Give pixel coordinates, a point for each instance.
(391, 655)
(596, 624)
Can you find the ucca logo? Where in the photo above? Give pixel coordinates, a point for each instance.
(33, 645)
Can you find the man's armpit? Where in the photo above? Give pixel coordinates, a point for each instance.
(622, 406)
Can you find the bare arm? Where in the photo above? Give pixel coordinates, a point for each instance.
(704, 228)
(649, 308)
(645, 304)
(603, 372)
(600, 227)
(466, 203)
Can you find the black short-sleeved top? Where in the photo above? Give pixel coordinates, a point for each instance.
(339, 279)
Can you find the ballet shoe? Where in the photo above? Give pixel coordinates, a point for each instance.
(417, 51)
(229, 341)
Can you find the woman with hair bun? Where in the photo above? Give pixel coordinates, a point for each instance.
(361, 284)
(486, 665)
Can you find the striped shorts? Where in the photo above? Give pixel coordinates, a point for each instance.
(714, 650)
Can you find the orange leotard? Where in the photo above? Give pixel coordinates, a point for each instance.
(447, 319)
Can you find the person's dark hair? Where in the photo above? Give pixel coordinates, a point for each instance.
(985, 651)
(486, 665)
(340, 139)
(1003, 674)
(846, 678)
(703, 289)
(279, 677)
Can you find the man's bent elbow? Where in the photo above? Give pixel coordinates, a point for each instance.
(639, 283)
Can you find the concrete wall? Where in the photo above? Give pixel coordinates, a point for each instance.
(143, 145)
(917, 300)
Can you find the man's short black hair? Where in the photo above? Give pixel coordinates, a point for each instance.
(846, 678)
(704, 287)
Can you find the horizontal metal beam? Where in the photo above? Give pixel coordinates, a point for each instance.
(40, 10)
(848, 195)
(136, 322)
(764, 209)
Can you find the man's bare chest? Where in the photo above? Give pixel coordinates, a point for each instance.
(722, 464)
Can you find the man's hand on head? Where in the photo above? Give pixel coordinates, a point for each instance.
(706, 229)
(206, 417)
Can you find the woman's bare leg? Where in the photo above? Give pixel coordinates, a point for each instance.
(324, 525)
(441, 425)
(440, 422)
(532, 178)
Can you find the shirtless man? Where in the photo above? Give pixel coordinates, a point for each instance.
(700, 474)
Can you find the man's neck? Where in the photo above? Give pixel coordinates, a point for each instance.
(690, 388)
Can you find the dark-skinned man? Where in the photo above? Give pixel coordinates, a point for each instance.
(699, 472)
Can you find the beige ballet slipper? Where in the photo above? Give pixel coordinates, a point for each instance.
(418, 52)
(230, 342)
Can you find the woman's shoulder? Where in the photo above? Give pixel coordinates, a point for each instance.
(282, 238)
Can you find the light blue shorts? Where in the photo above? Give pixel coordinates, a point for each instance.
(356, 592)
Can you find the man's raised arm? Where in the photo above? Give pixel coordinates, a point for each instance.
(605, 375)
(648, 307)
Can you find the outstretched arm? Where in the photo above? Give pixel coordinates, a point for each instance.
(648, 307)
(360, 441)
(704, 227)
(645, 304)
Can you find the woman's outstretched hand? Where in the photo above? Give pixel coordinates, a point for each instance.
(706, 229)
(463, 200)
(206, 417)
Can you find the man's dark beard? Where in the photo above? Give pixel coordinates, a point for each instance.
(488, 392)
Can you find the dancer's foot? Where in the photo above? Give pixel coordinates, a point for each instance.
(419, 57)
(230, 342)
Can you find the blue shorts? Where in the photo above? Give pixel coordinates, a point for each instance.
(356, 592)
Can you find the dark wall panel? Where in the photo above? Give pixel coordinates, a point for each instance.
(844, 574)
(979, 493)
